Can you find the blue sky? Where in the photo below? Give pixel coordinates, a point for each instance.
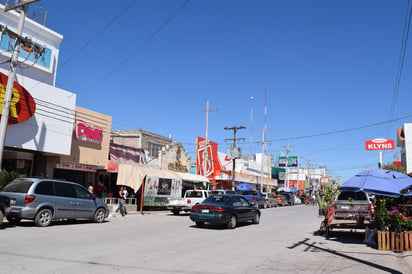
(328, 66)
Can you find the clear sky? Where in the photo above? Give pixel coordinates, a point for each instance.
(331, 70)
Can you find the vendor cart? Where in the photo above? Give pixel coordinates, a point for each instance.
(353, 216)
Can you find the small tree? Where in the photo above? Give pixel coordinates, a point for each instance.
(393, 167)
(327, 197)
(8, 176)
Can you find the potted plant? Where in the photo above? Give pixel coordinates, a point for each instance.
(327, 197)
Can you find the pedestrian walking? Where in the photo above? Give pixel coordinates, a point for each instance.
(122, 199)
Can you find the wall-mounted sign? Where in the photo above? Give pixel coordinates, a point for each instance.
(380, 144)
(292, 161)
(78, 167)
(22, 105)
(88, 133)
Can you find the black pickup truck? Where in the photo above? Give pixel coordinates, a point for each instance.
(4, 207)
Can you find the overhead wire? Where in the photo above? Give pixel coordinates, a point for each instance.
(402, 54)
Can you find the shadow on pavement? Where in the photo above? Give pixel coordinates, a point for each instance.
(314, 246)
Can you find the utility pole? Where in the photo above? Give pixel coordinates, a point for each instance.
(22, 5)
(206, 145)
(234, 155)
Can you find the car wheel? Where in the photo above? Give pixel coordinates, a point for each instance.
(13, 220)
(99, 215)
(43, 217)
(232, 222)
(200, 224)
(1, 218)
(256, 218)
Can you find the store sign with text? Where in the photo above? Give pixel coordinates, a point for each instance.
(380, 144)
(292, 161)
(88, 133)
(22, 105)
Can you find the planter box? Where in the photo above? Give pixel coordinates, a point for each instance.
(394, 241)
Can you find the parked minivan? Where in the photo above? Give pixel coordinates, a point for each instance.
(44, 200)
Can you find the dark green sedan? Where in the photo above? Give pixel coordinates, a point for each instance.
(226, 210)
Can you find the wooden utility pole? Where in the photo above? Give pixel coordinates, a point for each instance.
(205, 151)
(235, 155)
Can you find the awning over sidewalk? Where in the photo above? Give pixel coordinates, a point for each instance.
(132, 175)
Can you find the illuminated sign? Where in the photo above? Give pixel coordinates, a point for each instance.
(88, 133)
(380, 144)
(22, 105)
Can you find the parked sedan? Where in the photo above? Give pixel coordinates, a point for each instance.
(270, 200)
(226, 210)
(282, 200)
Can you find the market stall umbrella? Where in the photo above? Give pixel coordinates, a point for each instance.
(287, 189)
(378, 182)
(242, 187)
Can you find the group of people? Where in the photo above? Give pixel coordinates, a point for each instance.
(122, 195)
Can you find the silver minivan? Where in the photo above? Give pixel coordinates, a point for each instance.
(44, 200)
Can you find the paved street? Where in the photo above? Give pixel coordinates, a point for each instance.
(159, 242)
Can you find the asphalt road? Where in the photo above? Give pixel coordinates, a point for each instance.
(159, 242)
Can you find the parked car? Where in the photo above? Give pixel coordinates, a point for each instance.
(191, 198)
(282, 200)
(296, 200)
(352, 205)
(43, 200)
(270, 200)
(291, 200)
(226, 210)
(255, 196)
(4, 207)
(222, 191)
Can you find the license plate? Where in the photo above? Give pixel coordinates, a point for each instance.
(205, 210)
(12, 201)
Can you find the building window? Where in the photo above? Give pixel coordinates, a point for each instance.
(154, 150)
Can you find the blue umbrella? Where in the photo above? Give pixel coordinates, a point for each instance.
(378, 182)
(242, 187)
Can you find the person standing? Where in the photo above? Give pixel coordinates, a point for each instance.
(121, 207)
(90, 189)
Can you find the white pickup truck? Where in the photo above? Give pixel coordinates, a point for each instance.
(191, 198)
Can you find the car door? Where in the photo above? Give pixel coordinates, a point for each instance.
(85, 203)
(242, 208)
(65, 201)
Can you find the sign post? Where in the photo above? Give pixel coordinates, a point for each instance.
(380, 144)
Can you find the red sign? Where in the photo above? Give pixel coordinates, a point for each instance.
(380, 144)
(88, 133)
(211, 162)
(22, 105)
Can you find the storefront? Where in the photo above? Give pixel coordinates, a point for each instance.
(88, 159)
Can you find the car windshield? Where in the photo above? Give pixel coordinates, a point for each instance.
(19, 186)
(218, 199)
(194, 194)
(359, 196)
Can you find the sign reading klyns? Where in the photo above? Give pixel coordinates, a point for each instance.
(88, 133)
(380, 144)
(22, 105)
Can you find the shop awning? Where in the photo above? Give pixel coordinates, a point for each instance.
(132, 175)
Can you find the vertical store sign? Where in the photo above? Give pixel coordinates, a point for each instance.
(22, 105)
(213, 167)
